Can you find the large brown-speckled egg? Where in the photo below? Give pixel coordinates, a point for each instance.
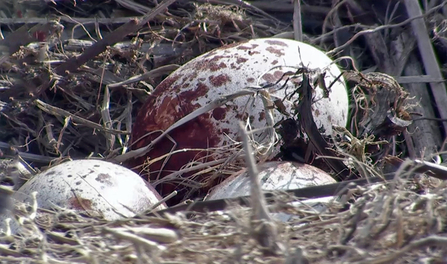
(255, 63)
(94, 187)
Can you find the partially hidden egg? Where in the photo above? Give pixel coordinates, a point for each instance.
(214, 135)
(92, 187)
(275, 176)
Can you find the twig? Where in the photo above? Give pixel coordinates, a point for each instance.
(204, 109)
(418, 79)
(297, 23)
(244, 4)
(403, 23)
(135, 239)
(151, 74)
(424, 242)
(308, 124)
(159, 235)
(428, 56)
(312, 192)
(268, 106)
(63, 113)
(27, 156)
(26, 35)
(116, 36)
(263, 228)
(162, 201)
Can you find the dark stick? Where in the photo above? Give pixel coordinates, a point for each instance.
(308, 124)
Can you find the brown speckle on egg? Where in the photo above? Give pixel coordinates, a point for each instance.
(277, 52)
(219, 113)
(219, 80)
(79, 203)
(221, 72)
(104, 188)
(240, 60)
(276, 42)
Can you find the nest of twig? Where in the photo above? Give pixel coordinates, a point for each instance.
(52, 108)
(398, 222)
(74, 73)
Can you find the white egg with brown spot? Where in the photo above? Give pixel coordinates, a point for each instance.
(99, 186)
(92, 187)
(276, 175)
(224, 71)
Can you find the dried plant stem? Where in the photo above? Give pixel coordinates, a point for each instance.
(297, 23)
(63, 113)
(26, 156)
(150, 74)
(263, 228)
(150, 245)
(169, 196)
(424, 242)
(367, 31)
(204, 109)
(428, 56)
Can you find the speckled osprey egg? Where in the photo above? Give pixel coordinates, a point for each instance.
(223, 71)
(95, 186)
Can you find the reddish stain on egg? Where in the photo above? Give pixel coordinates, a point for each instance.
(93, 187)
(219, 80)
(213, 136)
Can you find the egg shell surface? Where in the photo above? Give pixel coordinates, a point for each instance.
(224, 71)
(94, 186)
(275, 175)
